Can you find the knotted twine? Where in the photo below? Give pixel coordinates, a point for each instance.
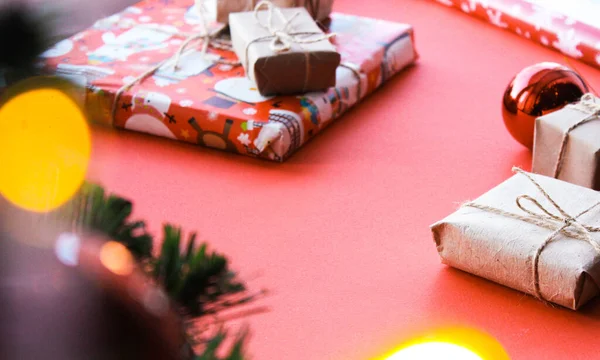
(208, 40)
(588, 106)
(282, 38)
(561, 223)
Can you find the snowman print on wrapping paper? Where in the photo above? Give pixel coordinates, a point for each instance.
(137, 39)
(149, 110)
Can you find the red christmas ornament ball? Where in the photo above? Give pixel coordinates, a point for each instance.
(535, 91)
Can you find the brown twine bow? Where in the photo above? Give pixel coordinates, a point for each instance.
(587, 105)
(562, 222)
(209, 40)
(282, 38)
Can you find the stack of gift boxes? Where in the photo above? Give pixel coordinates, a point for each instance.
(255, 78)
(263, 78)
(539, 232)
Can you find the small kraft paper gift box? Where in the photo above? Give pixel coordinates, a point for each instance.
(127, 63)
(567, 143)
(283, 50)
(531, 233)
(318, 9)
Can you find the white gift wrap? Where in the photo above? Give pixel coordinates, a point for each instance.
(501, 248)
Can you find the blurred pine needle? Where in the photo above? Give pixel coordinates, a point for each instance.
(197, 280)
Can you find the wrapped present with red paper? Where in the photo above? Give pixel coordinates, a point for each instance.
(146, 71)
(570, 27)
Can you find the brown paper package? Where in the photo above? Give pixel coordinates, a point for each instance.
(318, 9)
(581, 161)
(304, 68)
(501, 248)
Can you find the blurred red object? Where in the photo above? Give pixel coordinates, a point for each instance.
(535, 91)
(570, 27)
(82, 298)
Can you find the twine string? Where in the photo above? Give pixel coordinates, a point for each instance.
(282, 38)
(561, 222)
(587, 105)
(208, 38)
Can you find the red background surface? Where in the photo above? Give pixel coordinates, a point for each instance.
(340, 232)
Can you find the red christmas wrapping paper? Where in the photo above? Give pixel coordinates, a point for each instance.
(214, 104)
(571, 27)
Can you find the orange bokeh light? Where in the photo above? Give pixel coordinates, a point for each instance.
(116, 258)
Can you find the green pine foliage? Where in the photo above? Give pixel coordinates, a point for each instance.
(214, 344)
(195, 278)
(93, 210)
(198, 281)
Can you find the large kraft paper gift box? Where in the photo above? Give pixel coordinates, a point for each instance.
(567, 143)
(214, 104)
(531, 233)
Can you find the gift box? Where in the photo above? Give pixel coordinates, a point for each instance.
(566, 143)
(207, 99)
(531, 233)
(308, 64)
(319, 9)
(570, 27)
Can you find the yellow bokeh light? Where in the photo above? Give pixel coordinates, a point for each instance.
(435, 350)
(45, 147)
(116, 258)
(456, 343)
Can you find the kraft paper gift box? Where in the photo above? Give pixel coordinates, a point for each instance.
(567, 143)
(304, 67)
(211, 103)
(494, 238)
(318, 9)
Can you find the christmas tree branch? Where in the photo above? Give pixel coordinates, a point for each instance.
(197, 280)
